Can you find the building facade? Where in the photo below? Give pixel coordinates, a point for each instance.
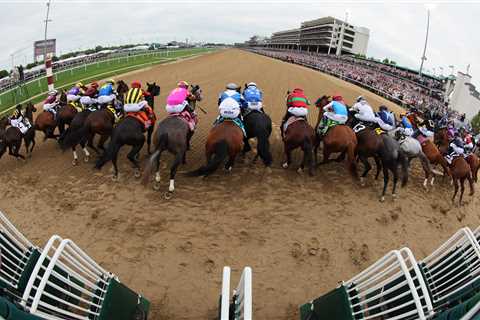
(326, 35)
(287, 39)
(465, 98)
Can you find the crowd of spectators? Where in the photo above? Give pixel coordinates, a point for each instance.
(398, 87)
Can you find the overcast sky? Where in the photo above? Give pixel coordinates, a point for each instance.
(397, 29)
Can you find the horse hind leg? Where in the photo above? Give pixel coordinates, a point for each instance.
(455, 184)
(173, 170)
(395, 180)
(133, 157)
(367, 168)
(462, 189)
(385, 183)
(470, 182)
(378, 164)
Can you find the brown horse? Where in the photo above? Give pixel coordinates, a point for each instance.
(300, 134)
(46, 122)
(461, 171)
(13, 137)
(474, 163)
(225, 140)
(441, 139)
(435, 156)
(339, 139)
(65, 116)
(99, 122)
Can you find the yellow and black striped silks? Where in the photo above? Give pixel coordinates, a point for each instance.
(134, 95)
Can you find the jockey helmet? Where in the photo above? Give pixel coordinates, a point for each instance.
(53, 92)
(94, 85)
(111, 81)
(134, 95)
(232, 86)
(136, 84)
(383, 108)
(252, 84)
(183, 84)
(337, 98)
(79, 85)
(360, 98)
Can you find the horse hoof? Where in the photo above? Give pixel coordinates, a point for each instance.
(229, 169)
(137, 174)
(168, 195)
(114, 178)
(86, 159)
(394, 196)
(362, 182)
(268, 170)
(382, 199)
(156, 185)
(285, 165)
(299, 170)
(74, 162)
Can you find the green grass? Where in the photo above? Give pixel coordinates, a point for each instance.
(87, 73)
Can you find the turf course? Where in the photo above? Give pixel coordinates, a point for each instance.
(35, 89)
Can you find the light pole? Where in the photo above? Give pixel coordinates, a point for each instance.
(46, 28)
(426, 40)
(451, 67)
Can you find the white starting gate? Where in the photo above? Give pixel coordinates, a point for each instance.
(240, 306)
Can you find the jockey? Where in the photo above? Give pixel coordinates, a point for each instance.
(455, 149)
(426, 129)
(406, 126)
(335, 111)
(88, 98)
(76, 92)
(107, 92)
(230, 103)
(177, 100)
(253, 96)
(19, 121)
(468, 141)
(297, 105)
(135, 104)
(364, 111)
(386, 119)
(51, 102)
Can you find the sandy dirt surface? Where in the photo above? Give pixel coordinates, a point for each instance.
(300, 234)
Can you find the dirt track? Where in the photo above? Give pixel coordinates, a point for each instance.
(301, 235)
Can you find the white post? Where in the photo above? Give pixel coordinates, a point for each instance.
(426, 40)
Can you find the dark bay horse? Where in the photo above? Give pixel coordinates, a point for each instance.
(225, 140)
(129, 131)
(474, 163)
(154, 91)
(99, 122)
(258, 125)
(12, 136)
(300, 134)
(173, 134)
(65, 116)
(339, 139)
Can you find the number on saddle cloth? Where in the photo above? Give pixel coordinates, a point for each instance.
(379, 131)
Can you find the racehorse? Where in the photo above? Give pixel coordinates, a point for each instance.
(340, 138)
(65, 116)
(99, 122)
(173, 134)
(299, 134)
(224, 140)
(441, 139)
(258, 125)
(474, 163)
(154, 90)
(47, 123)
(12, 137)
(413, 149)
(461, 171)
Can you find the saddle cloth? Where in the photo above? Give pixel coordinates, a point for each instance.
(144, 118)
(291, 120)
(190, 119)
(236, 121)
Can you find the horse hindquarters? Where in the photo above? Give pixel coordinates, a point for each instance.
(215, 156)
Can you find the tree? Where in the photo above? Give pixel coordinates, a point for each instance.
(386, 61)
(476, 122)
(393, 63)
(3, 74)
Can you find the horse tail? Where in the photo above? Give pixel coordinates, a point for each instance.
(308, 151)
(73, 137)
(403, 159)
(220, 153)
(263, 148)
(351, 160)
(162, 145)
